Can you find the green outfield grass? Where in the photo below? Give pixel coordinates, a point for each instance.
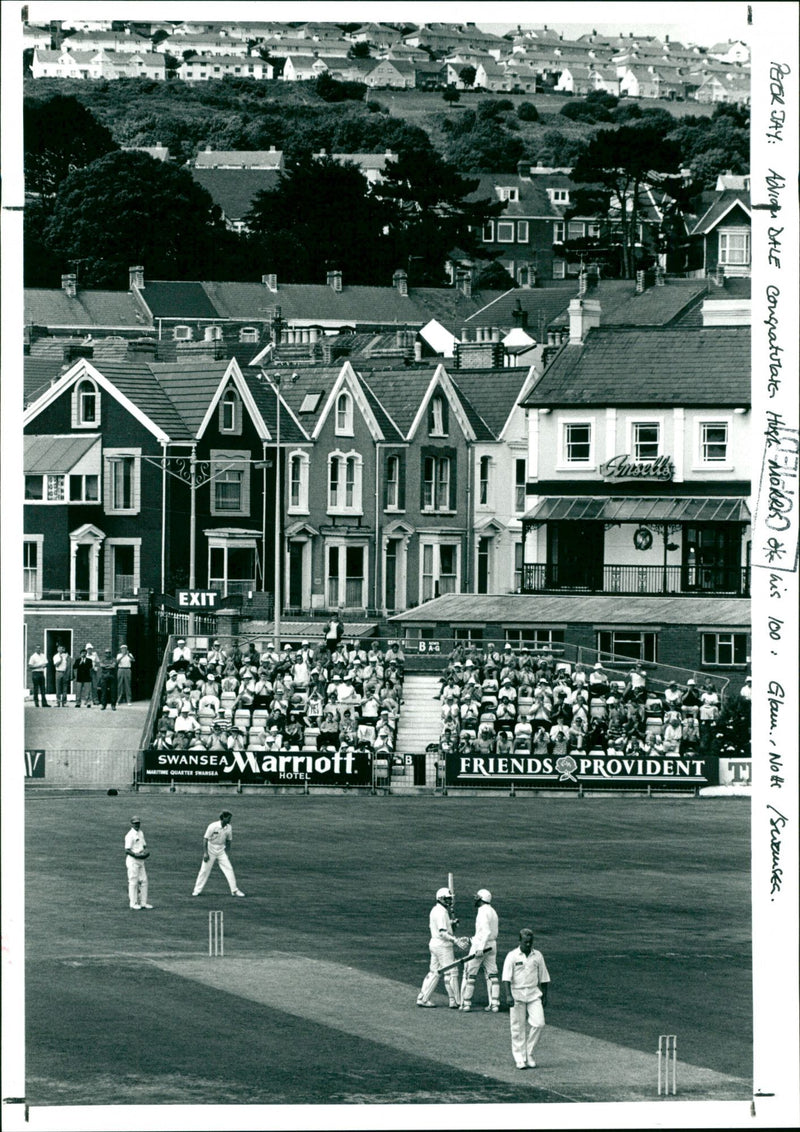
(640, 906)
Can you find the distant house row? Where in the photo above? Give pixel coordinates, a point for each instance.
(435, 56)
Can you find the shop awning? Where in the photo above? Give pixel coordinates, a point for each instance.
(633, 509)
(58, 455)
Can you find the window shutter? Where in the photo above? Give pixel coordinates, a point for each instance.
(445, 416)
(401, 481)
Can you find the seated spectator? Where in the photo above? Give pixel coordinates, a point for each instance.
(673, 732)
(237, 739)
(328, 730)
(216, 654)
(559, 740)
(690, 734)
(598, 681)
(484, 742)
(672, 696)
(521, 744)
(577, 732)
(273, 740)
(293, 737)
(690, 701)
(596, 736)
(541, 742)
(185, 720)
(503, 743)
(181, 656)
(347, 726)
(506, 714)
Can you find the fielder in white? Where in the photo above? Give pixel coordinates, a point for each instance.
(216, 840)
(525, 980)
(484, 951)
(136, 853)
(441, 949)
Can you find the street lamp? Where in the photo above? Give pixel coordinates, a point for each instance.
(277, 551)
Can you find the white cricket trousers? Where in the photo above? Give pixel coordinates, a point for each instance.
(137, 882)
(527, 1023)
(489, 963)
(441, 955)
(207, 866)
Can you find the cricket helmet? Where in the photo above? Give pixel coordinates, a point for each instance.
(444, 896)
(483, 895)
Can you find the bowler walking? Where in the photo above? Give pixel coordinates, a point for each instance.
(525, 980)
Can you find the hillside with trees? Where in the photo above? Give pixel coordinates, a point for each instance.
(75, 174)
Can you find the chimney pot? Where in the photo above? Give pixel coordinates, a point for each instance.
(334, 279)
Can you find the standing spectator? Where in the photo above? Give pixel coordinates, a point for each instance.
(526, 980)
(125, 661)
(484, 951)
(441, 950)
(747, 689)
(95, 659)
(38, 668)
(62, 664)
(82, 672)
(216, 842)
(107, 684)
(334, 631)
(136, 853)
(181, 656)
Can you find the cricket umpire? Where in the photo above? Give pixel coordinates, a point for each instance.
(484, 953)
(136, 853)
(441, 949)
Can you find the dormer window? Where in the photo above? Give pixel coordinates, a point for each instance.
(559, 196)
(437, 416)
(344, 415)
(230, 412)
(509, 193)
(86, 405)
(182, 333)
(248, 334)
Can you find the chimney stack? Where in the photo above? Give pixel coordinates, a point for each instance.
(639, 282)
(136, 278)
(270, 281)
(584, 315)
(334, 280)
(69, 285)
(464, 281)
(519, 316)
(400, 282)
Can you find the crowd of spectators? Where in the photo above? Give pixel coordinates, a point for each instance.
(328, 696)
(521, 701)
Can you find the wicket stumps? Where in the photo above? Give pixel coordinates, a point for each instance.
(667, 1056)
(216, 933)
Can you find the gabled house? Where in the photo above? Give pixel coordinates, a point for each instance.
(372, 165)
(202, 68)
(721, 236)
(636, 81)
(397, 74)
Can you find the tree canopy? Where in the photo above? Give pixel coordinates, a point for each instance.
(60, 135)
(625, 163)
(129, 208)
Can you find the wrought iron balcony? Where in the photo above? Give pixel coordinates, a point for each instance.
(580, 577)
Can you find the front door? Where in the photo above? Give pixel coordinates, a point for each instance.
(575, 556)
(390, 568)
(712, 557)
(296, 574)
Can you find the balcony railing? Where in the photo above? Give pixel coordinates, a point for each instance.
(574, 577)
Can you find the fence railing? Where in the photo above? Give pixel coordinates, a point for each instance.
(541, 577)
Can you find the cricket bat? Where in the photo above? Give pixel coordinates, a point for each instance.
(451, 886)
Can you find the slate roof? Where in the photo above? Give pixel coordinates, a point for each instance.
(449, 305)
(533, 199)
(400, 393)
(38, 374)
(604, 609)
(189, 388)
(316, 301)
(239, 159)
(493, 393)
(549, 302)
(657, 306)
(234, 190)
(90, 309)
(654, 367)
(139, 383)
(168, 298)
(719, 208)
(318, 379)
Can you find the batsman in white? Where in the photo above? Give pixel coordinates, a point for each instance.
(441, 949)
(216, 840)
(484, 954)
(136, 853)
